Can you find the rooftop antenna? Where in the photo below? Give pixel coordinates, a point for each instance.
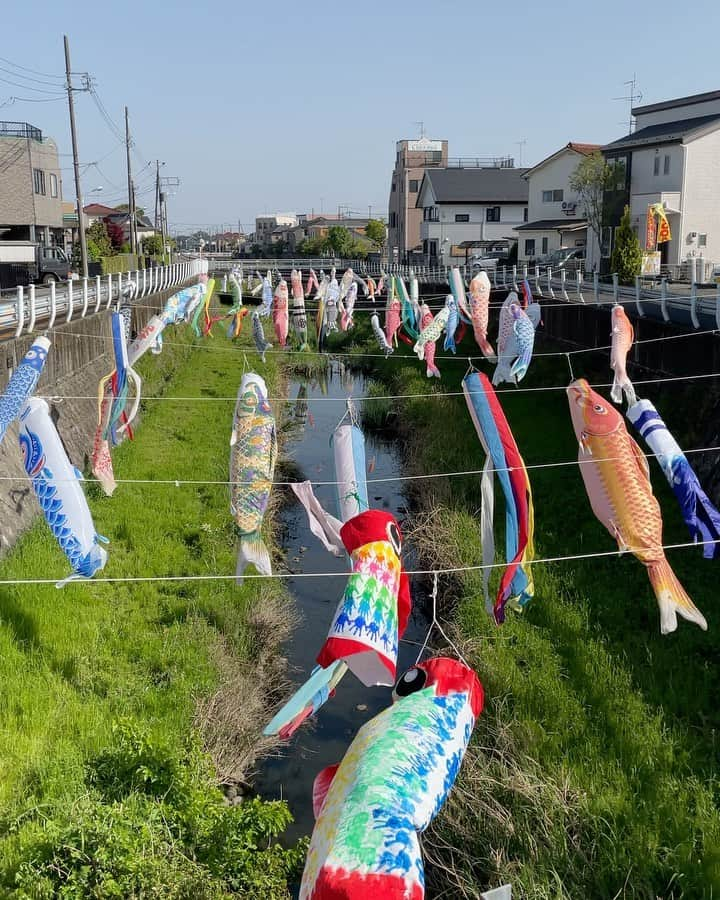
(633, 97)
(421, 126)
(520, 145)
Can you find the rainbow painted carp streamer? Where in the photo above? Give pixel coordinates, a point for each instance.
(503, 457)
(391, 783)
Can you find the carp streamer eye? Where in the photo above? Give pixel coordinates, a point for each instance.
(413, 680)
(599, 408)
(393, 534)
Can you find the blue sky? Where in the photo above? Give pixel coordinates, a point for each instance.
(280, 106)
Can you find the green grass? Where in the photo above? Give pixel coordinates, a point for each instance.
(76, 662)
(593, 770)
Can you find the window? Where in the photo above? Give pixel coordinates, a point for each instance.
(430, 214)
(414, 185)
(393, 220)
(702, 240)
(462, 217)
(433, 248)
(393, 187)
(552, 196)
(666, 165)
(53, 185)
(39, 181)
(656, 165)
(530, 247)
(544, 246)
(492, 214)
(525, 214)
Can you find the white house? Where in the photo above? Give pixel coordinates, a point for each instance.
(673, 158)
(478, 205)
(556, 219)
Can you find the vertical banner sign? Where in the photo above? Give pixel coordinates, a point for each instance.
(651, 230)
(663, 234)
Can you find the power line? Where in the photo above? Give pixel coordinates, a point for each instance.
(34, 71)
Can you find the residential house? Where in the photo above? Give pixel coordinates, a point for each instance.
(480, 205)
(412, 158)
(30, 185)
(672, 157)
(266, 225)
(97, 212)
(556, 219)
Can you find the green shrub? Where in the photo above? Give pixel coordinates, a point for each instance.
(154, 823)
(122, 262)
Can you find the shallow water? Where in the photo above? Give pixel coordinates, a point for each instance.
(324, 739)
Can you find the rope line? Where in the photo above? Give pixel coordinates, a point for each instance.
(447, 571)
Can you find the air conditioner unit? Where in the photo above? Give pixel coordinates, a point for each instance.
(693, 235)
(564, 205)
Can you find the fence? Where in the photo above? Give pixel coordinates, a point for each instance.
(30, 309)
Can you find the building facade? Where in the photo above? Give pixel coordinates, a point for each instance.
(672, 158)
(479, 205)
(556, 219)
(30, 185)
(266, 225)
(412, 159)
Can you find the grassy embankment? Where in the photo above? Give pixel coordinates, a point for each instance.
(124, 704)
(593, 770)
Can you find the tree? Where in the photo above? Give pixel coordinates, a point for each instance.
(340, 241)
(591, 178)
(123, 207)
(115, 233)
(627, 254)
(153, 245)
(98, 241)
(375, 232)
(313, 246)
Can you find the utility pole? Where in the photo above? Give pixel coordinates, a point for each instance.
(157, 193)
(131, 188)
(76, 163)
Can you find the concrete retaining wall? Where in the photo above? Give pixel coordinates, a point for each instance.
(81, 353)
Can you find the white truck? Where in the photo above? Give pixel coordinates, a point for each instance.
(22, 262)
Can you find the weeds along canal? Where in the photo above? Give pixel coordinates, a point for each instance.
(322, 741)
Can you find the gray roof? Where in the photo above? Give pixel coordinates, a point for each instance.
(667, 132)
(708, 96)
(477, 185)
(552, 224)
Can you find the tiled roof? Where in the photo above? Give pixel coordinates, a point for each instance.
(667, 132)
(477, 185)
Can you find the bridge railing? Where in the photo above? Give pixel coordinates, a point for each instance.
(28, 309)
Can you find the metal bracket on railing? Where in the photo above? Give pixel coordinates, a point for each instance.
(638, 304)
(693, 305)
(616, 288)
(551, 292)
(70, 299)
(86, 298)
(20, 310)
(53, 305)
(663, 300)
(579, 284)
(33, 309)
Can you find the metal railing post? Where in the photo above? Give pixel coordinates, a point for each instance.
(663, 300)
(563, 285)
(53, 305)
(551, 292)
(33, 309)
(20, 310)
(86, 298)
(110, 290)
(616, 287)
(514, 279)
(579, 284)
(693, 305)
(638, 304)
(717, 307)
(70, 299)
(538, 287)
(494, 277)
(596, 287)
(98, 293)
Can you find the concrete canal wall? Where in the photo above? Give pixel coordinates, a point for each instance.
(81, 353)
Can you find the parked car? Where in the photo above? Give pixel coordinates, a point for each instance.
(491, 260)
(559, 259)
(26, 261)
(715, 277)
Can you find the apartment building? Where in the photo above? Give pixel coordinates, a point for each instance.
(30, 185)
(673, 158)
(266, 225)
(412, 159)
(481, 205)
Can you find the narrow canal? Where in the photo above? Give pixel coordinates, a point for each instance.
(324, 740)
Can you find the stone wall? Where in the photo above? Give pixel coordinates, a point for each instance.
(81, 353)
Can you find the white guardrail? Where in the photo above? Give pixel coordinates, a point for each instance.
(39, 308)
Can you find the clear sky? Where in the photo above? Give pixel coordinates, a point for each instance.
(276, 106)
